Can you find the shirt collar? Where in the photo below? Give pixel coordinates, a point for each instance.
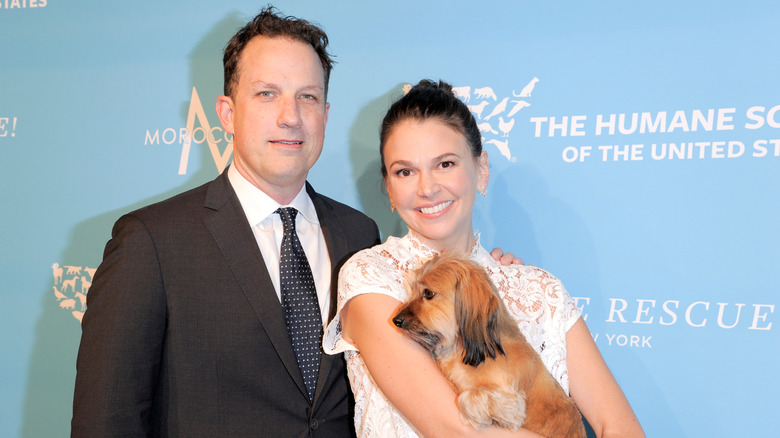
(258, 206)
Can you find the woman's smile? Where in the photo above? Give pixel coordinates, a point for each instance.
(436, 208)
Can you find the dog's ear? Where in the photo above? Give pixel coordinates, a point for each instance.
(476, 309)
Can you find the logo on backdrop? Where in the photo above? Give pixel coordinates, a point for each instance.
(197, 131)
(8, 126)
(71, 284)
(495, 117)
(626, 318)
(674, 128)
(23, 4)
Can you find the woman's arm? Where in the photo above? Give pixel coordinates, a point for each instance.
(595, 390)
(406, 372)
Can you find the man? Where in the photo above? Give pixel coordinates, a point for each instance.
(184, 335)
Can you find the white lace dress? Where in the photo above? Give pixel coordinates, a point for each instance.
(543, 309)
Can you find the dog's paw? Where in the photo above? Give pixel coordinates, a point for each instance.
(474, 407)
(482, 407)
(508, 409)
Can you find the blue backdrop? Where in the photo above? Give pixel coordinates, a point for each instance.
(634, 147)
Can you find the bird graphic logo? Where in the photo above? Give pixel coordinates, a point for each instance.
(487, 107)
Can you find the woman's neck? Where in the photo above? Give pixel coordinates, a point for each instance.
(462, 245)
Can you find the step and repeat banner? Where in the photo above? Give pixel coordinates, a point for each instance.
(634, 149)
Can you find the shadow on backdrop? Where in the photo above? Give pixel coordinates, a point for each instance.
(364, 154)
(48, 401)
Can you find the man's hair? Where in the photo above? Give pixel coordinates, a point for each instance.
(270, 24)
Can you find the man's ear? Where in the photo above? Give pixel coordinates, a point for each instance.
(224, 107)
(327, 109)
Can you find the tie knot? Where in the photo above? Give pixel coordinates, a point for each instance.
(288, 217)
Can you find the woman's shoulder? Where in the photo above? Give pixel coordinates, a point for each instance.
(394, 251)
(535, 272)
(493, 266)
(388, 258)
(523, 280)
(375, 254)
(380, 269)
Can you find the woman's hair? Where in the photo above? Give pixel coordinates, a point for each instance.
(431, 100)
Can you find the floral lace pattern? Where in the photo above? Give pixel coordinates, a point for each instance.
(537, 300)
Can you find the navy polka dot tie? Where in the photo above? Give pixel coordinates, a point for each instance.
(299, 299)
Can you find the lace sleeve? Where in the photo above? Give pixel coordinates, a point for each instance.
(368, 271)
(543, 310)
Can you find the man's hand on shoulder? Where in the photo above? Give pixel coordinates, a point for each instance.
(506, 258)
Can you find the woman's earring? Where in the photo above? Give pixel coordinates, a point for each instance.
(392, 208)
(483, 191)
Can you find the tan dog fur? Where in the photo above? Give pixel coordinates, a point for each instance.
(455, 312)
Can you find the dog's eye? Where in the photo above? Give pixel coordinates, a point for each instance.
(428, 294)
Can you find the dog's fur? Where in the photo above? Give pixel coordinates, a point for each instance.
(455, 312)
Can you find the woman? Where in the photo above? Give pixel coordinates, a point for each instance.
(433, 166)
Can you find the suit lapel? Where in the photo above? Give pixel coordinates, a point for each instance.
(233, 235)
(335, 239)
(337, 247)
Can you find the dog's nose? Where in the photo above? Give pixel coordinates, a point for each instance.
(399, 321)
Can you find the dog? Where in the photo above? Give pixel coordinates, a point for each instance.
(455, 312)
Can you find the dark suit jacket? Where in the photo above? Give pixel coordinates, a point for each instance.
(184, 335)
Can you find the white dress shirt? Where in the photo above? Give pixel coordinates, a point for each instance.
(268, 230)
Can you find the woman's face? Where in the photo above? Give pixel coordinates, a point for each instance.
(432, 180)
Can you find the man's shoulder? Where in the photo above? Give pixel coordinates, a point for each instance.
(359, 230)
(178, 205)
(338, 209)
(341, 208)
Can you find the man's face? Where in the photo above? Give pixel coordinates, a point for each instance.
(277, 114)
